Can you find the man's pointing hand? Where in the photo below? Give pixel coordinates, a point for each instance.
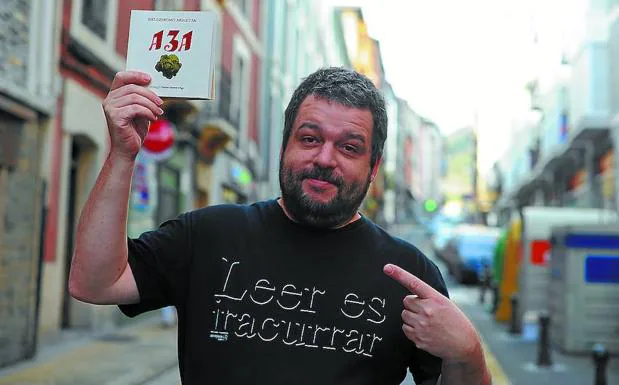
(432, 321)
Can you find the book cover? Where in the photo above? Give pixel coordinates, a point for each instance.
(176, 49)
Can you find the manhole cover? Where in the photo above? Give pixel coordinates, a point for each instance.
(117, 338)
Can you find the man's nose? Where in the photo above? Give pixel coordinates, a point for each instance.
(326, 156)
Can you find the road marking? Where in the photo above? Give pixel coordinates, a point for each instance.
(532, 367)
(496, 371)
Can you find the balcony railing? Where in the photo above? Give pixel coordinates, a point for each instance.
(221, 106)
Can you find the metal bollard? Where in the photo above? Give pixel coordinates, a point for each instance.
(600, 360)
(514, 327)
(495, 297)
(543, 347)
(484, 284)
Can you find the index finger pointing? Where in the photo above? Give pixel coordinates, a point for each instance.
(410, 282)
(130, 77)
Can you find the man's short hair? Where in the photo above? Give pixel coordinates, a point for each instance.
(348, 88)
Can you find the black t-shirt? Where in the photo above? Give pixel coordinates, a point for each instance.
(264, 300)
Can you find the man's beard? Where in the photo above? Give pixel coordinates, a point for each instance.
(338, 211)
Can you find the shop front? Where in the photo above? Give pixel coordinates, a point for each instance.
(577, 190)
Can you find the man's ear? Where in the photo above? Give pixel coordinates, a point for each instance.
(379, 160)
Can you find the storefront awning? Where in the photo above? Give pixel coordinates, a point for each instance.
(589, 129)
(588, 126)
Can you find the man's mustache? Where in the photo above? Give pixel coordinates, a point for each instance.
(323, 174)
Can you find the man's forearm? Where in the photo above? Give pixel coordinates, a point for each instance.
(471, 372)
(100, 254)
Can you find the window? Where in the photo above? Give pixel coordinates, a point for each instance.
(291, 34)
(169, 199)
(236, 104)
(245, 6)
(477, 245)
(95, 16)
(169, 5)
(11, 134)
(93, 26)
(284, 35)
(239, 98)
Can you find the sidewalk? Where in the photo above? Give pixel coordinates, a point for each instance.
(128, 355)
(517, 357)
(512, 361)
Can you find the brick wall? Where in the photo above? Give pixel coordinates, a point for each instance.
(19, 238)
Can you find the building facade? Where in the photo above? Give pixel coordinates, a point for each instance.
(571, 161)
(236, 172)
(28, 92)
(390, 156)
(296, 44)
(407, 185)
(460, 182)
(61, 72)
(431, 143)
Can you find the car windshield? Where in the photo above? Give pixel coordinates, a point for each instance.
(477, 244)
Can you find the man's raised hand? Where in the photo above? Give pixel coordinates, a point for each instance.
(432, 321)
(129, 108)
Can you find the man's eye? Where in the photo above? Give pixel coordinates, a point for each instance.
(350, 148)
(309, 139)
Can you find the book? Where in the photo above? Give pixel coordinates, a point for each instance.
(176, 49)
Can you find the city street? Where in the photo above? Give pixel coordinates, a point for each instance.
(511, 359)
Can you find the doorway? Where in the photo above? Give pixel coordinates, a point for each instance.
(81, 169)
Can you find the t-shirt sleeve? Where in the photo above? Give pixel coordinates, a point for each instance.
(159, 261)
(425, 366)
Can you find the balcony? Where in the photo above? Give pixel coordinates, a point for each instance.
(590, 87)
(218, 112)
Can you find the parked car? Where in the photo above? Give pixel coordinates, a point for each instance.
(439, 222)
(469, 250)
(440, 239)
